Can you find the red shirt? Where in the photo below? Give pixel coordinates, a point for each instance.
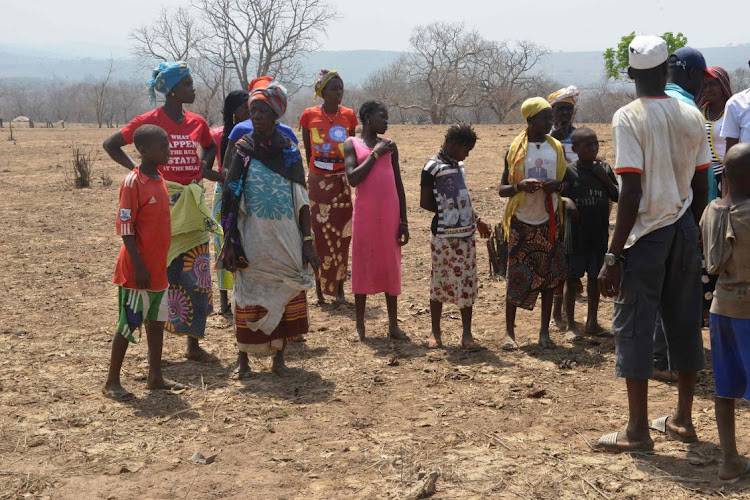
(327, 138)
(216, 134)
(144, 213)
(184, 138)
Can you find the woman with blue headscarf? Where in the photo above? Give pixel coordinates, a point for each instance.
(189, 271)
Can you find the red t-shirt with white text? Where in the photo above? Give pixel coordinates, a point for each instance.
(184, 138)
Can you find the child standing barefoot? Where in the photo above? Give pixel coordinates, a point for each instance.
(144, 223)
(726, 247)
(591, 185)
(533, 222)
(453, 277)
(379, 226)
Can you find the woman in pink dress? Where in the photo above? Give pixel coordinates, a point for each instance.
(379, 226)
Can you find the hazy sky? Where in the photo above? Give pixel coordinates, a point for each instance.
(571, 25)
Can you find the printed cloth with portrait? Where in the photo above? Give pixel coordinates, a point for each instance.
(536, 258)
(330, 193)
(453, 277)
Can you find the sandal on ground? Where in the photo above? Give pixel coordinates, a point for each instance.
(660, 425)
(744, 473)
(510, 345)
(119, 395)
(608, 443)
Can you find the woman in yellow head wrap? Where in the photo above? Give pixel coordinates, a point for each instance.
(533, 178)
(325, 128)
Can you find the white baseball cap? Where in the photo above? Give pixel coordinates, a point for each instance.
(647, 51)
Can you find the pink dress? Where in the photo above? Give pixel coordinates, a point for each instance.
(376, 255)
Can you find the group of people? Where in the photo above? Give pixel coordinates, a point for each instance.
(279, 231)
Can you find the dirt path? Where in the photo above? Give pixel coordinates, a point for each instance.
(356, 420)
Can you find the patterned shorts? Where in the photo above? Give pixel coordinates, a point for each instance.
(138, 306)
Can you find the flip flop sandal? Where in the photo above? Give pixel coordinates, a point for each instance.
(510, 346)
(119, 396)
(660, 425)
(733, 480)
(608, 443)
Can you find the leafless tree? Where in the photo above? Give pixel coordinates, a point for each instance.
(263, 37)
(99, 95)
(174, 36)
(599, 102)
(740, 79)
(127, 101)
(506, 77)
(443, 66)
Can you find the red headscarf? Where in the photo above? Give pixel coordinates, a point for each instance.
(266, 89)
(722, 76)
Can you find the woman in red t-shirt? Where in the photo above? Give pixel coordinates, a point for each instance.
(324, 130)
(189, 295)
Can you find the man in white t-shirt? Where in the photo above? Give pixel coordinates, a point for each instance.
(736, 127)
(654, 261)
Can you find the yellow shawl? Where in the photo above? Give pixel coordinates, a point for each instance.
(191, 218)
(515, 158)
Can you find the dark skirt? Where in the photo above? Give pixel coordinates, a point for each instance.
(535, 263)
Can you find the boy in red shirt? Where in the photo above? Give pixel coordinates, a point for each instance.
(144, 223)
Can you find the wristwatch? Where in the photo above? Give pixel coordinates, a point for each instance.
(610, 259)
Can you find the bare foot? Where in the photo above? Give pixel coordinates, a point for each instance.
(165, 384)
(545, 342)
(279, 367)
(435, 342)
(593, 328)
(572, 326)
(397, 334)
(243, 366)
(197, 353)
(117, 393)
(559, 323)
(360, 332)
(470, 345)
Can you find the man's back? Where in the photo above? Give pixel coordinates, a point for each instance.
(665, 141)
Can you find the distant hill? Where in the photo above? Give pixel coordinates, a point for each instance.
(570, 68)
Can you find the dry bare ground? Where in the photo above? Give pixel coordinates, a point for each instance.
(355, 420)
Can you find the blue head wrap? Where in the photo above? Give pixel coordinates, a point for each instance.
(165, 77)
